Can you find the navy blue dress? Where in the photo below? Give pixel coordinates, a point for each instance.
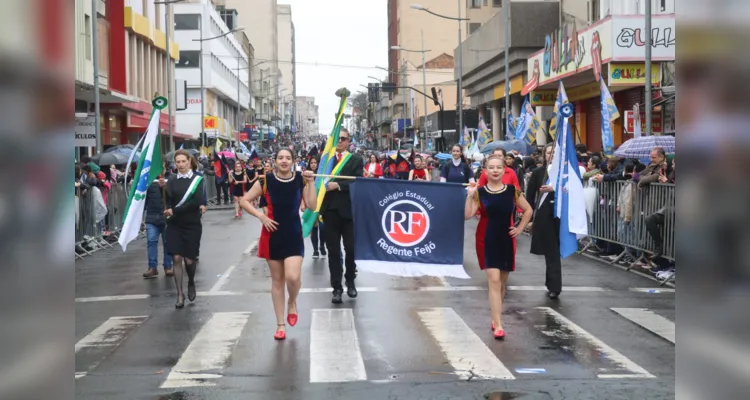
(498, 208)
(283, 198)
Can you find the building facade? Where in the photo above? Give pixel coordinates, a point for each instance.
(610, 46)
(224, 65)
(307, 116)
(260, 20)
(288, 87)
(133, 61)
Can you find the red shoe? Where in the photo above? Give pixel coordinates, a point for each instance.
(499, 334)
(292, 318)
(280, 334)
(492, 326)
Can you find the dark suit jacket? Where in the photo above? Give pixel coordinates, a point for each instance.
(339, 200)
(545, 232)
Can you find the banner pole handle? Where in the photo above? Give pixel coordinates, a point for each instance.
(354, 177)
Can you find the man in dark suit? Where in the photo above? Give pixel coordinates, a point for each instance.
(545, 228)
(336, 211)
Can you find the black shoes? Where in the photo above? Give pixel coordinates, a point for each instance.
(323, 252)
(351, 290)
(315, 255)
(553, 295)
(191, 290)
(337, 296)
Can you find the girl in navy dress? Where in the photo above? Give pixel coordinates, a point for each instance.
(496, 202)
(281, 242)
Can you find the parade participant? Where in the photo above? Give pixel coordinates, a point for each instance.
(238, 179)
(281, 242)
(373, 169)
(419, 173)
(458, 170)
(184, 228)
(545, 228)
(509, 178)
(496, 202)
(156, 226)
(336, 211)
(317, 235)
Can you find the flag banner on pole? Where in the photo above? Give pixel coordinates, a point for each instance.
(609, 114)
(562, 98)
(565, 176)
(409, 228)
(149, 168)
(325, 166)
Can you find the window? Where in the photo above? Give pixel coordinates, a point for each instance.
(189, 59)
(186, 22)
(474, 3)
(87, 36)
(473, 26)
(497, 3)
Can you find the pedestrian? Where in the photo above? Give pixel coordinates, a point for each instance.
(184, 228)
(238, 179)
(281, 242)
(457, 170)
(419, 173)
(156, 226)
(497, 202)
(336, 211)
(545, 227)
(317, 235)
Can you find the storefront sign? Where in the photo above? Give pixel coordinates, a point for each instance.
(543, 97)
(632, 74)
(656, 121)
(629, 39)
(562, 48)
(210, 124)
(85, 132)
(548, 97)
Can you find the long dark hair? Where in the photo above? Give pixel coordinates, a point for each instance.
(544, 154)
(461, 157)
(193, 161)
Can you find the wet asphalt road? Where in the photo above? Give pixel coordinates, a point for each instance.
(608, 337)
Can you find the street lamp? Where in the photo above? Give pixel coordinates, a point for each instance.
(424, 74)
(203, 89)
(168, 28)
(460, 57)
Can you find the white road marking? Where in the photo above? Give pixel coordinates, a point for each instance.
(612, 354)
(564, 289)
(107, 336)
(112, 298)
(468, 355)
(220, 293)
(649, 320)
(111, 333)
(652, 290)
(450, 288)
(208, 351)
(222, 280)
(327, 290)
(335, 355)
(250, 248)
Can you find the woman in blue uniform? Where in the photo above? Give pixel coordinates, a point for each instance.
(496, 202)
(281, 242)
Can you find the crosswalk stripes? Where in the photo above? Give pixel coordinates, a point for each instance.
(635, 371)
(336, 354)
(649, 320)
(209, 351)
(103, 340)
(464, 350)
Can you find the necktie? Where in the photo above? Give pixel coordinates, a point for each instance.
(338, 157)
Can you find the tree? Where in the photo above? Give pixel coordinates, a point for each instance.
(359, 100)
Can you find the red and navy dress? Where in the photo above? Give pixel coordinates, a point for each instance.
(497, 209)
(283, 197)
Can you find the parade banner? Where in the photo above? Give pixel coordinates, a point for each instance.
(409, 228)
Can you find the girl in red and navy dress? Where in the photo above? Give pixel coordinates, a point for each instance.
(496, 202)
(419, 173)
(281, 242)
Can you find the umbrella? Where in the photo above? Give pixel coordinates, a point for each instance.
(443, 156)
(226, 154)
(121, 148)
(112, 158)
(509, 145)
(641, 147)
(193, 152)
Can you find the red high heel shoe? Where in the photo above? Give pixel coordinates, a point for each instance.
(499, 334)
(492, 326)
(292, 318)
(280, 334)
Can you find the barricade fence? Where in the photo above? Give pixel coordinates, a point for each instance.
(618, 213)
(98, 225)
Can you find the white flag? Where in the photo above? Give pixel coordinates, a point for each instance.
(149, 168)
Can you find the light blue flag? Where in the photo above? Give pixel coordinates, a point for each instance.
(182, 146)
(608, 115)
(565, 176)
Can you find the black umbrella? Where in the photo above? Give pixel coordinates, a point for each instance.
(113, 158)
(193, 152)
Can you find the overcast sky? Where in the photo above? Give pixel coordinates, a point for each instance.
(351, 33)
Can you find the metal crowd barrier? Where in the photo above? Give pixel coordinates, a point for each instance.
(607, 223)
(92, 235)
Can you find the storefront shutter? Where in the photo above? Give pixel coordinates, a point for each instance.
(594, 124)
(625, 101)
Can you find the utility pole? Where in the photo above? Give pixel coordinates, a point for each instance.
(460, 96)
(95, 56)
(424, 84)
(506, 17)
(170, 83)
(647, 95)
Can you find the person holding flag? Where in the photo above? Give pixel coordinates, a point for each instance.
(184, 198)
